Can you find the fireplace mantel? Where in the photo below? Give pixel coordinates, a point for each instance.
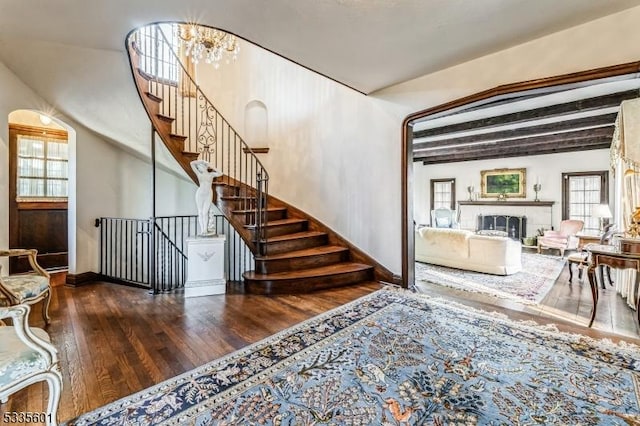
(526, 203)
(539, 214)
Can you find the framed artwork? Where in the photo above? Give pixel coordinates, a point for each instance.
(503, 183)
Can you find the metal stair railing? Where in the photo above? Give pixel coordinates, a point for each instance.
(198, 125)
(152, 253)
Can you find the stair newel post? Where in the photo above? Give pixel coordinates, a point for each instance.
(260, 243)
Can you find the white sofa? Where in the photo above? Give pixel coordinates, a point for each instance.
(462, 249)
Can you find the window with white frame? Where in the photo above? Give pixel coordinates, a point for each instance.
(581, 193)
(158, 59)
(42, 168)
(443, 193)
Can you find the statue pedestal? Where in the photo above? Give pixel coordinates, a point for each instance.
(205, 266)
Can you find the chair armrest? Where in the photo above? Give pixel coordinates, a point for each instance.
(19, 315)
(18, 252)
(31, 254)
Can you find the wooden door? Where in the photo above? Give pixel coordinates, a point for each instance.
(38, 171)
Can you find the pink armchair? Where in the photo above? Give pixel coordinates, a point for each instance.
(562, 239)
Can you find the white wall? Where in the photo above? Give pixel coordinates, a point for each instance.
(547, 168)
(333, 152)
(109, 181)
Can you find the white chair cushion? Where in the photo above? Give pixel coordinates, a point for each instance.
(16, 358)
(25, 287)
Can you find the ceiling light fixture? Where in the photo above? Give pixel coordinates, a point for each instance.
(208, 44)
(45, 119)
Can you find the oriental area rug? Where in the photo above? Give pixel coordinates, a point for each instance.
(398, 358)
(530, 285)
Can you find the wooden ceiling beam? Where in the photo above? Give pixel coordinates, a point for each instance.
(530, 141)
(531, 131)
(558, 110)
(576, 144)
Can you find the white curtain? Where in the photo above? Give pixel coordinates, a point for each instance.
(625, 163)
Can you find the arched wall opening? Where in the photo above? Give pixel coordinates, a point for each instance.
(256, 124)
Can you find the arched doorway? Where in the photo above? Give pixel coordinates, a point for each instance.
(498, 95)
(39, 180)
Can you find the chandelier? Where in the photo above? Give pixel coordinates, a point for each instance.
(208, 44)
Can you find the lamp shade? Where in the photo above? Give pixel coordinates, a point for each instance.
(601, 210)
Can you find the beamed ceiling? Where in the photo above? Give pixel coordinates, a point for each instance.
(571, 117)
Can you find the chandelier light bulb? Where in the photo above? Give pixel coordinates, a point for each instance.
(209, 44)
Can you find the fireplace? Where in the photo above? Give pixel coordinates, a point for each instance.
(514, 226)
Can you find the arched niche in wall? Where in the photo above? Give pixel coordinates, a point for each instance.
(444, 133)
(256, 125)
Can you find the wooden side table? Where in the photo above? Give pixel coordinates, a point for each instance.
(616, 258)
(585, 238)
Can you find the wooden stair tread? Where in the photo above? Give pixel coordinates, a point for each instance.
(153, 97)
(165, 118)
(269, 209)
(278, 222)
(236, 198)
(304, 253)
(336, 269)
(295, 236)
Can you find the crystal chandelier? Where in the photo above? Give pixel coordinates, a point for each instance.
(208, 44)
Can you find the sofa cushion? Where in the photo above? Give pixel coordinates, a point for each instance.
(446, 241)
(462, 249)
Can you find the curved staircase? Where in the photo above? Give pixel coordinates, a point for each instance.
(293, 252)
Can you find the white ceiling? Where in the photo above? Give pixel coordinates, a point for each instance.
(366, 44)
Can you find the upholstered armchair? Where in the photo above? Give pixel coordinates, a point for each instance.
(29, 288)
(562, 239)
(27, 357)
(444, 218)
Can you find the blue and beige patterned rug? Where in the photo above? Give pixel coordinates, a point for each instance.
(530, 286)
(397, 358)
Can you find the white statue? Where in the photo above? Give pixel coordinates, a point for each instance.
(204, 193)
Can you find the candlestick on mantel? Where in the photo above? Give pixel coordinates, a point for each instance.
(537, 187)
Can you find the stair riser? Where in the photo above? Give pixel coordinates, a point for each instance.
(283, 265)
(277, 230)
(271, 215)
(297, 286)
(278, 247)
(226, 190)
(163, 127)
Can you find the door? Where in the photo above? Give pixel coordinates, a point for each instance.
(38, 188)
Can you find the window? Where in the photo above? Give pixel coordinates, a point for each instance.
(158, 60)
(42, 168)
(581, 192)
(443, 193)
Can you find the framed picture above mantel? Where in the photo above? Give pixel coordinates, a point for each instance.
(503, 183)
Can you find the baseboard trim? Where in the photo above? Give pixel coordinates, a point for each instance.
(78, 280)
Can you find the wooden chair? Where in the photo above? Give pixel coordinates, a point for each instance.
(27, 357)
(445, 218)
(581, 258)
(29, 288)
(562, 239)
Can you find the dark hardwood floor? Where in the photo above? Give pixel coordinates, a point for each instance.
(567, 303)
(115, 340)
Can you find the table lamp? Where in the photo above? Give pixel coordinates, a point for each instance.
(602, 212)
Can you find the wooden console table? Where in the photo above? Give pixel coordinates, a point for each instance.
(616, 258)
